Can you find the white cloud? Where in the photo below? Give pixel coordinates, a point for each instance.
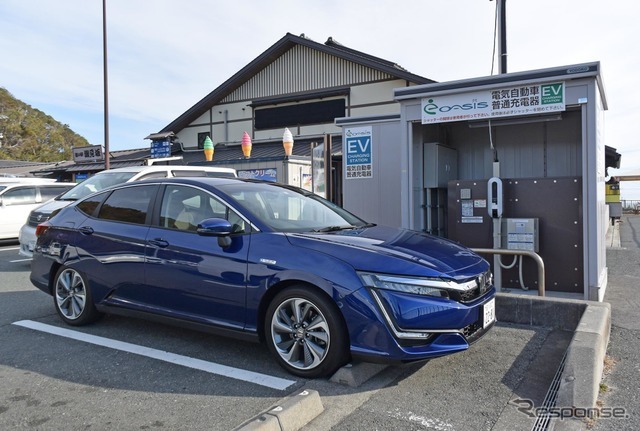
(164, 56)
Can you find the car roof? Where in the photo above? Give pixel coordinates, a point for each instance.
(14, 185)
(214, 181)
(160, 168)
(26, 180)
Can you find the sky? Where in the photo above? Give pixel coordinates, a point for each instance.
(163, 56)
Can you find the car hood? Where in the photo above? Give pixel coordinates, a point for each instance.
(395, 250)
(51, 205)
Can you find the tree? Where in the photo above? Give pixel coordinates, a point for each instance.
(29, 134)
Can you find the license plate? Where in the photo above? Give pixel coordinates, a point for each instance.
(489, 312)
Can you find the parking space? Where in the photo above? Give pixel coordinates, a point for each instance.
(121, 373)
(124, 373)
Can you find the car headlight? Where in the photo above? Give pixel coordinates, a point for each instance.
(418, 286)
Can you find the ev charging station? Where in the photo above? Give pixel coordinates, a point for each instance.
(513, 161)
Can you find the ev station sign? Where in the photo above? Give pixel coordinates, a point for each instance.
(528, 99)
(359, 159)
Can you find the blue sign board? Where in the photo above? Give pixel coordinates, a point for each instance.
(160, 149)
(358, 149)
(80, 177)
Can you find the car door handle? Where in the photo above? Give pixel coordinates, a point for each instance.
(86, 230)
(159, 242)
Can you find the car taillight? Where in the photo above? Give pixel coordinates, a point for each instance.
(42, 228)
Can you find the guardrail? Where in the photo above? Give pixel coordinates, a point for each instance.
(535, 256)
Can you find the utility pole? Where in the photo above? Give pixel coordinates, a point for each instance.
(107, 165)
(502, 34)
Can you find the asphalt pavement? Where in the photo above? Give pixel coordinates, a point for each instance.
(477, 389)
(620, 388)
(45, 383)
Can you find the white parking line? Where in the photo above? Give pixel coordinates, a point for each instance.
(209, 367)
(20, 260)
(9, 249)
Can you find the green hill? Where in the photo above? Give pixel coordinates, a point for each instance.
(29, 134)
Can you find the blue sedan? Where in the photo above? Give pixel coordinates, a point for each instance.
(267, 262)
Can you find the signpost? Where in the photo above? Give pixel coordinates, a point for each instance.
(358, 148)
(160, 148)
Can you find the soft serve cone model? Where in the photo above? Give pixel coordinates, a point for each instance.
(208, 149)
(287, 142)
(246, 145)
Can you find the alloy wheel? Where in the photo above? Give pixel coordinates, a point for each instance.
(71, 294)
(300, 333)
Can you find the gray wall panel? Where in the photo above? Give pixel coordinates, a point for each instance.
(304, 69)
(377, 199)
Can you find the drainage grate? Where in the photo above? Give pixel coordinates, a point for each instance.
(549, 402)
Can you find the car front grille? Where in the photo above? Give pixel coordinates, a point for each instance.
(469, 331)
(475, 331)
(483, 285)
(36, 218)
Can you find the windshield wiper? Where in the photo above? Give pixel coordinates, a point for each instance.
(346, 227)
(335, 228)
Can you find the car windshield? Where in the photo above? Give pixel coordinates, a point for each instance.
(96, 183)
(288, 209)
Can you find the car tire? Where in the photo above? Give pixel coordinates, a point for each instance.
(306, 333)
(72, 298)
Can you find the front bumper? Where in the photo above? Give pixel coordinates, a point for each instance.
(405, 328)
(27, 239)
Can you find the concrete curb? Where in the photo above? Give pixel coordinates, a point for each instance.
(291, 414)
(584, 362)
(564, 314)
(580, 381)
(355, 374)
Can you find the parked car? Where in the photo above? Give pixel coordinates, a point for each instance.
(17, 199)
(26, 180)
(102, 180)
(264, 261)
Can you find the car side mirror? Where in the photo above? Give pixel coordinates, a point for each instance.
(217, 227)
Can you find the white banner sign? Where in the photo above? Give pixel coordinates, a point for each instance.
(88, 154)
(531, 99)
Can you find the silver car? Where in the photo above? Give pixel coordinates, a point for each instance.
(102, 180)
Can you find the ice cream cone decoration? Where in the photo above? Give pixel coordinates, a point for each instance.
(246, 145)
(287, 142)
(208, 149)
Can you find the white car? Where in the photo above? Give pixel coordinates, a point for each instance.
(101, 181)
(17, 199)
(26, 180)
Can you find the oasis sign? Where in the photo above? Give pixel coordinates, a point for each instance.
(529, 99)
